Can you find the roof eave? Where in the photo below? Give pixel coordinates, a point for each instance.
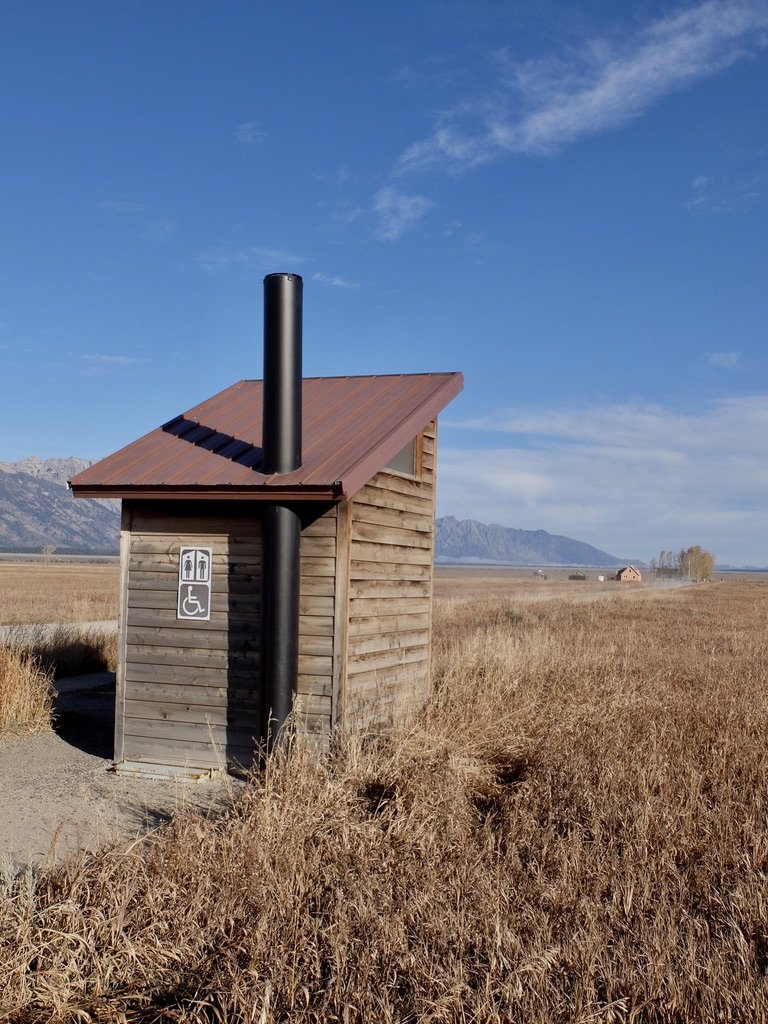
(376, 459)
(328, 492)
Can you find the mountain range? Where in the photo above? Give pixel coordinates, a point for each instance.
(467, 540)
(37, 510)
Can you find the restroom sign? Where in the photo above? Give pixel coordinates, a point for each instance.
(194, 600)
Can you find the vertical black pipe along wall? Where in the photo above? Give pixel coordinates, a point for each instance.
(281, 525)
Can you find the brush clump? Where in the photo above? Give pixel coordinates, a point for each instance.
(26, 693)
(573, 830)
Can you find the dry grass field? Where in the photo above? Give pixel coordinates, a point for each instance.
(57, 592)
(576, 830)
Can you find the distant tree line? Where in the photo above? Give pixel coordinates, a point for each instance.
(694, 563)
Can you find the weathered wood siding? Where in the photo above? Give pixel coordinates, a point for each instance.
(191, 688)
(189, 691)
(390, 593)
(314, 708)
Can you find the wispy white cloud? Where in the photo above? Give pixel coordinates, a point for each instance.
(398, 212)
(250, 132)
(225, 257)
(724, 360)
(542, 105)
(123, 206)
(334, 282)
(629, 479)
(727, 195)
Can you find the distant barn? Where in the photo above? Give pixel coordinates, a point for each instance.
(191, 692)
(629, 574)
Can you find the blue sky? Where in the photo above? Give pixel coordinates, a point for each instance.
(565, 200)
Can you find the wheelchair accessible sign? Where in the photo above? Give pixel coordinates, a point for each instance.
(194, 583)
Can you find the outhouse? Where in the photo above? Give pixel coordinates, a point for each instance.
(251, 562)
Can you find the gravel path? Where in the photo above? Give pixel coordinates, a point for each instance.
(58, 796)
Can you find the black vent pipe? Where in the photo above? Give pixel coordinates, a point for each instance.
(281, 525)
(281, 424)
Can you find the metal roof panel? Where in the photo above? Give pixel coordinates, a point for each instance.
(351, 426)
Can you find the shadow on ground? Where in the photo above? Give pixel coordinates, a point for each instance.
(84, 713)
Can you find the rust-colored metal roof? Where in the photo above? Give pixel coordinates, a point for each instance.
(352, 426)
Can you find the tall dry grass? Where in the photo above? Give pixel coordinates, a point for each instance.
(576, 830)
(26, 695)
(65, 649)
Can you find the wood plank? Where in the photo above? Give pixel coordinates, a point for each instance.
(237, 718)
(371, 588)
(365, 570)
(194, 734)
(390, 534)
(244, 583)
(314, 665)
(390, 553)
(316, 586)
(387, 642)
(168, 752)
(309, 723)
(405, 677)
(315, 686)
(143, 654)
(316, 645)
(240, 604)
(223, 568)
(317, 547)
(416, 491)
(166, 618)
(311, 566)
(385, 660)
(376, 515)
(190, 635)
(316, 625)
(196, 527)
(310, 604)
(197, 754)
(307, 682)
(182, 675)
(367, 607)
(174, 693)
(243, 718)
(384, 497)
(245, 548)
(325, 526)
(384, 624)
(312, 705)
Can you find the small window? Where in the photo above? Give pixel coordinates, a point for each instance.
(408, 459)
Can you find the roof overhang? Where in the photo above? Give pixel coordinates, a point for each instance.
(163, 492)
